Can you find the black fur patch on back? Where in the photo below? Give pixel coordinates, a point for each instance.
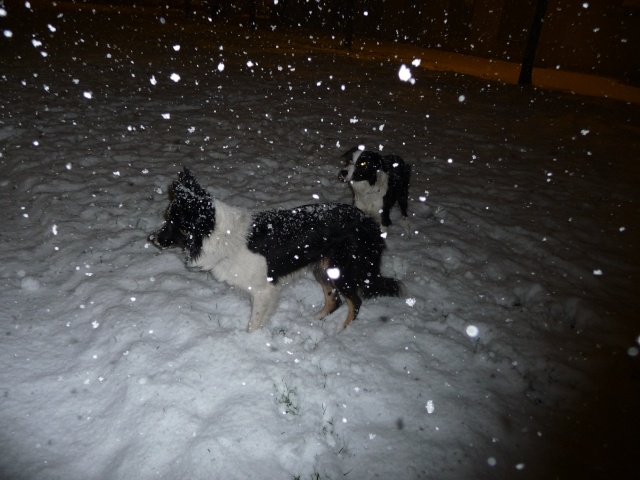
(295, 238)
(399, 172)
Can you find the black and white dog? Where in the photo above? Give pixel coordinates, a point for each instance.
(258, 252)
(378, 182)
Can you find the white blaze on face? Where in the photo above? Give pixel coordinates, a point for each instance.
(352, 164)
(350, 168)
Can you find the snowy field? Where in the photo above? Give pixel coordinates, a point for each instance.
(513, 354)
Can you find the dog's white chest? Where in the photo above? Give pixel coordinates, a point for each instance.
(225, 253)
(368, 198)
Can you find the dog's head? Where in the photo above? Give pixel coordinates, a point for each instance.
(189, 218)
(361, 165)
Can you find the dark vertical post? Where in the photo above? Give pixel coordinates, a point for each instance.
(532, 43)
(348, 24)
(252, 15)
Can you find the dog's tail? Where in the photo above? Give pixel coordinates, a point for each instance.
(382, 287)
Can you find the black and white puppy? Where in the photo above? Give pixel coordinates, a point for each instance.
(378, 182)
(259, 252)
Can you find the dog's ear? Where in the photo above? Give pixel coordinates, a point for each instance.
(179, 189)
(187, 189)
(349, 154)
(189, 185)
(187, 178)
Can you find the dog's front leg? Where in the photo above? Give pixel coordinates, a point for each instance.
(263, 302)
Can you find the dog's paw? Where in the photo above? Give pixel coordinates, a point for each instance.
(321, 315)
(252, 328)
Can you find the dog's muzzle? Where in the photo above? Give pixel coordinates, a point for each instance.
(153, 239)
(168, 236)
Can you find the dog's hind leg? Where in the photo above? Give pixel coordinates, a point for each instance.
(263, 302)
(349, 291)
(353, 302)
(331, 298)
(403, 203)
(385, 212)
(403, 194)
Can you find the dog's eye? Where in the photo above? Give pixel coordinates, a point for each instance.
(362, 164)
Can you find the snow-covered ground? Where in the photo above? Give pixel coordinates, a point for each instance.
(513, 354)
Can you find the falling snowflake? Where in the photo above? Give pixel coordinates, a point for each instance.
(404, 73)
(430, 408)
(472, 331)
(333, 273)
